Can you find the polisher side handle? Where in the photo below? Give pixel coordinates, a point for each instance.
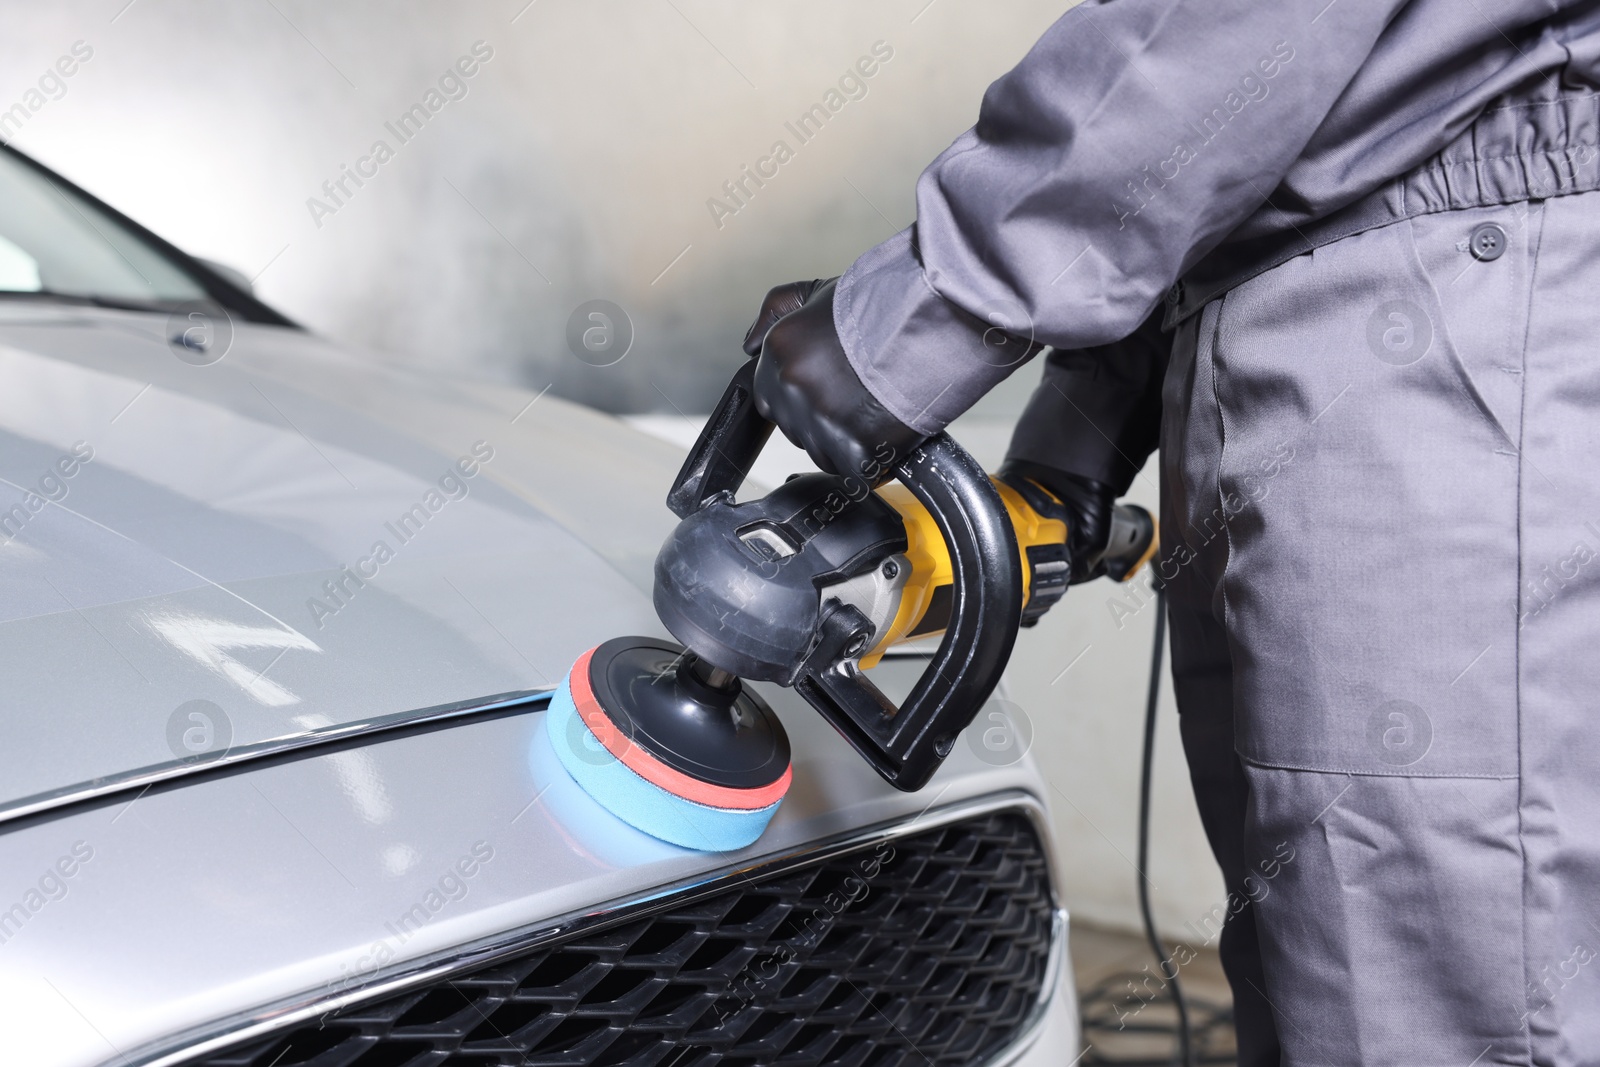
(906, 745)
(728, 445)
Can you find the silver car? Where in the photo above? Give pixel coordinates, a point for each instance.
(279, 626)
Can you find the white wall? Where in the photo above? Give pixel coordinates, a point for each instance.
(577, 167)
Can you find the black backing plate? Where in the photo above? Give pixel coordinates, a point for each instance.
(737, 742)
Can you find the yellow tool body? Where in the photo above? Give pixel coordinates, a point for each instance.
(1040, 523)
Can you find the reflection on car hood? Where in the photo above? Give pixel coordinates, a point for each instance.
(294, 535)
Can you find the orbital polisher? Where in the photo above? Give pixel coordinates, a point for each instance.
(807, 587)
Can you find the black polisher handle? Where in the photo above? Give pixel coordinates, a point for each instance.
(728, 445)
(905, 745)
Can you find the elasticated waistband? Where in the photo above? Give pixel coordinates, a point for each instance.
(1515, 151)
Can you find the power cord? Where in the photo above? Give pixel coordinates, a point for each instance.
(1124, 1029)
(1146, 773)
(1106, 1011)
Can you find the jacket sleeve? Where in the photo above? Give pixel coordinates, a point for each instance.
(1097, 411)
(1128, 142)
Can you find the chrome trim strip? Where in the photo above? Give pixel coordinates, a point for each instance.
(181, 1047)
(144, 777)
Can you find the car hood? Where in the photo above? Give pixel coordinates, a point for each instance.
(189, 521)
(285, 540)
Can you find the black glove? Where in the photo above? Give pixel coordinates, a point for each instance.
(804, 383)
(1088, 505)
(1087, 429)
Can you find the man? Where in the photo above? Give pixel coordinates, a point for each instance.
(1375, 229)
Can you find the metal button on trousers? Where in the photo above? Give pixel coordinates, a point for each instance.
(1488, 242)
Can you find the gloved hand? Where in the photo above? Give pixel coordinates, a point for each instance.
(805, 384)
(1088, 505)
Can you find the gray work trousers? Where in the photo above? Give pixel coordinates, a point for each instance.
(1381, 536)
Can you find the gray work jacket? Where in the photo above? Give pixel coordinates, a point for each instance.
(1145, 141)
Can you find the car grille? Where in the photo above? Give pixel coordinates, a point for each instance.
(931, 948)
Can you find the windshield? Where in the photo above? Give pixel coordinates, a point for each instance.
(55, 243)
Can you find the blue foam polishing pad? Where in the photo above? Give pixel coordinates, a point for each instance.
(640, 803)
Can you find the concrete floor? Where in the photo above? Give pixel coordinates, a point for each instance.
(1128, 1016)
